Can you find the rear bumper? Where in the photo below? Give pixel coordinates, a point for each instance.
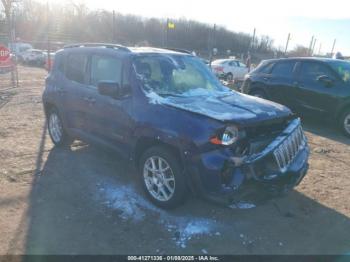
(220, 173)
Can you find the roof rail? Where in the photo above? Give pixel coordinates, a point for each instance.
(179, 50)
(120, 47)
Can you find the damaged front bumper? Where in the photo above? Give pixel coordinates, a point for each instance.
(279, 167)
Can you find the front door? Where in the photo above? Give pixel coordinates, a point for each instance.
(111, 119)
(314, 96)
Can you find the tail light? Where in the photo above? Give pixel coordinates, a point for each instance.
(219, 69)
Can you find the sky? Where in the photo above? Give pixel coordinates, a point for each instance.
(325, 20)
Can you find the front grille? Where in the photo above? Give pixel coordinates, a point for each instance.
(266, 130)
(285, 153)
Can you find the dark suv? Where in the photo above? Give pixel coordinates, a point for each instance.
(166, 112)
(310, 86)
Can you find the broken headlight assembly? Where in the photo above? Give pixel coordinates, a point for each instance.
(228, 136)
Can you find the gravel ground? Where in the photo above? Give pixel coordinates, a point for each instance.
(84, 200)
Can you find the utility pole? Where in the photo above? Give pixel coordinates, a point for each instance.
(167, 33)
(310, 46)
(212, 42)
(335, 40)
(48, 37)
(113, 27)
(9, 16)
(313, 47)
(14, 73)
(285, 51)
(253, 40)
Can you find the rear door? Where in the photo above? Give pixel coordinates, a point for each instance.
(314, 96)
(78, 97)
(280, 82)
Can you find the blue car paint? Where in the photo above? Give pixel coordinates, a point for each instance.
(178, 126)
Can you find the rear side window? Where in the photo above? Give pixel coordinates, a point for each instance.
(283, 68)
(264, 67)
(104, 68)
(233, 63)
(58, 62)
(76, 67)
(312, 70)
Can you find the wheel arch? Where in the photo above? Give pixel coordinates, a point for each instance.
(342, 110)
(48, 106)
(258, 88)
(144, 143)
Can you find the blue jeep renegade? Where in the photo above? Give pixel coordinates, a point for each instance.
(166, 111)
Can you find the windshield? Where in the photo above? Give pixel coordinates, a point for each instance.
(343, 69)
(176, 75)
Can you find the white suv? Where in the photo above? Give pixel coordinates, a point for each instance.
(230, 69)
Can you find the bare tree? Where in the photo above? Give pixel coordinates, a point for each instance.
(74, 22)
(8, 5)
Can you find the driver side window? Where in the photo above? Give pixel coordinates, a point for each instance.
(311, 71)
(104, 68)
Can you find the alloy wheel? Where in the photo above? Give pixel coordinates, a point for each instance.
(159, 178)
(55, 128)
(347, 123)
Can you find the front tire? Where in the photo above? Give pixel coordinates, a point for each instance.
(163, 178)
(344, 122)
(56, 130)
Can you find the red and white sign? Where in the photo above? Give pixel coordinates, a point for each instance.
(4, 53)
(6, 63)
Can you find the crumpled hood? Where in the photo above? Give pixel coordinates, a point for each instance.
(228, 106)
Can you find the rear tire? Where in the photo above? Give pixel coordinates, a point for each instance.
(163, 178)
(56, 130)
(229, 77)
(344, 122)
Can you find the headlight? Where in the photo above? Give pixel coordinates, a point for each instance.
(230, 135)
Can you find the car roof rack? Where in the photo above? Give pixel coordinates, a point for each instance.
(120, 47)
(179, 50)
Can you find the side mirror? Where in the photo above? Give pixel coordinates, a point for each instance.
(328, 81)
(111, 89)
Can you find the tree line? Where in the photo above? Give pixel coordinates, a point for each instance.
(35, 21)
